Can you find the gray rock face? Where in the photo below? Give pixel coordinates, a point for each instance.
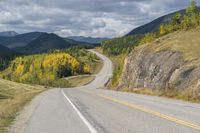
(145, 68)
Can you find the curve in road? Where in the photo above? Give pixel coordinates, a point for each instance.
(88, 109)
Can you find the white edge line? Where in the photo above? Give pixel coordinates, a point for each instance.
(90, 127)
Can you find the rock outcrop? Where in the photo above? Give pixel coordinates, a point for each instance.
(165, 69)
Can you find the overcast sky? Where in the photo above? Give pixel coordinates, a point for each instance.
(102, 18)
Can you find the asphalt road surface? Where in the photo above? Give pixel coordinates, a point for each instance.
(91, 109)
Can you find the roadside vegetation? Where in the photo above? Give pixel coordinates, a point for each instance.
(13, 96)
(80, 80)
(168, 93)
(118, 64)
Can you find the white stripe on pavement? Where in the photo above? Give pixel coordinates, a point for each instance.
(86, 122)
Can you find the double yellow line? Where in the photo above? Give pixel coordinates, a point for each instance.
(178, 121)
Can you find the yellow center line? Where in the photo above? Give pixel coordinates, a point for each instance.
(178, 121)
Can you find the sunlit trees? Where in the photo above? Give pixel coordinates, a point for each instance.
(192, 8)
(176, 21)
(149, 37)
(191, 19)
(45, 68)
(162, 30)
(86, 68)
(121, 45)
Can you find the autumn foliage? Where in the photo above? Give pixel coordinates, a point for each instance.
(44, 68)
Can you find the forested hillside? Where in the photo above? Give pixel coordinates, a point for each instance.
(155, 24)
(180, 21)
(6, 55)
(20, 40)
(48, 69)
(120, 45)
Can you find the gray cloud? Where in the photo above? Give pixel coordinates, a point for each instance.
(82, 17)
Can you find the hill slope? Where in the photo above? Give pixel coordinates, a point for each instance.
(19, 40)
(6, 52)
(46, 42)
(171, 62)
(13, 96)
(155, 24)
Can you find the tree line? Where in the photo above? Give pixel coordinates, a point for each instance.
(189, 20)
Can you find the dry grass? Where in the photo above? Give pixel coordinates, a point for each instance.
(186, 42)
(168, 93)
(80, 80)
(96, 67)
(99, 49)
(13, 96)
(118, 64)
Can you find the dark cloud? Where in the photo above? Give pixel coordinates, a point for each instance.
(82, 17)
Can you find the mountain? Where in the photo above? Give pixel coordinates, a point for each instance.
(89, 40)
(8, 34)
(46, 42)
(20, 40)
(155, 24)
(4, 38)
(6, 52)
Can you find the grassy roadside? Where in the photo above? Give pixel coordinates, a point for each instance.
(96, 67)
(80, 80)
(168, 93)
(185, 42)
(13, 96)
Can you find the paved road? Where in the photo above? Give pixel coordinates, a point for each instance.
(89, 109)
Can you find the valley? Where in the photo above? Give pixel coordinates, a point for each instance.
(145, 80)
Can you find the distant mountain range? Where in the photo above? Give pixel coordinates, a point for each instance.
(8, 33)
(40, 42)
(90, 40)
(155, 24)
(46, 42)
(20, 40)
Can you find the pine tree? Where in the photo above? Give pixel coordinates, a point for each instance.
(192, 8)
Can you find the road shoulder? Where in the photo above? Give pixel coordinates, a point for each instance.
(24, 116)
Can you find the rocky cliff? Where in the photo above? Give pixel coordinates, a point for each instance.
(171, 62)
